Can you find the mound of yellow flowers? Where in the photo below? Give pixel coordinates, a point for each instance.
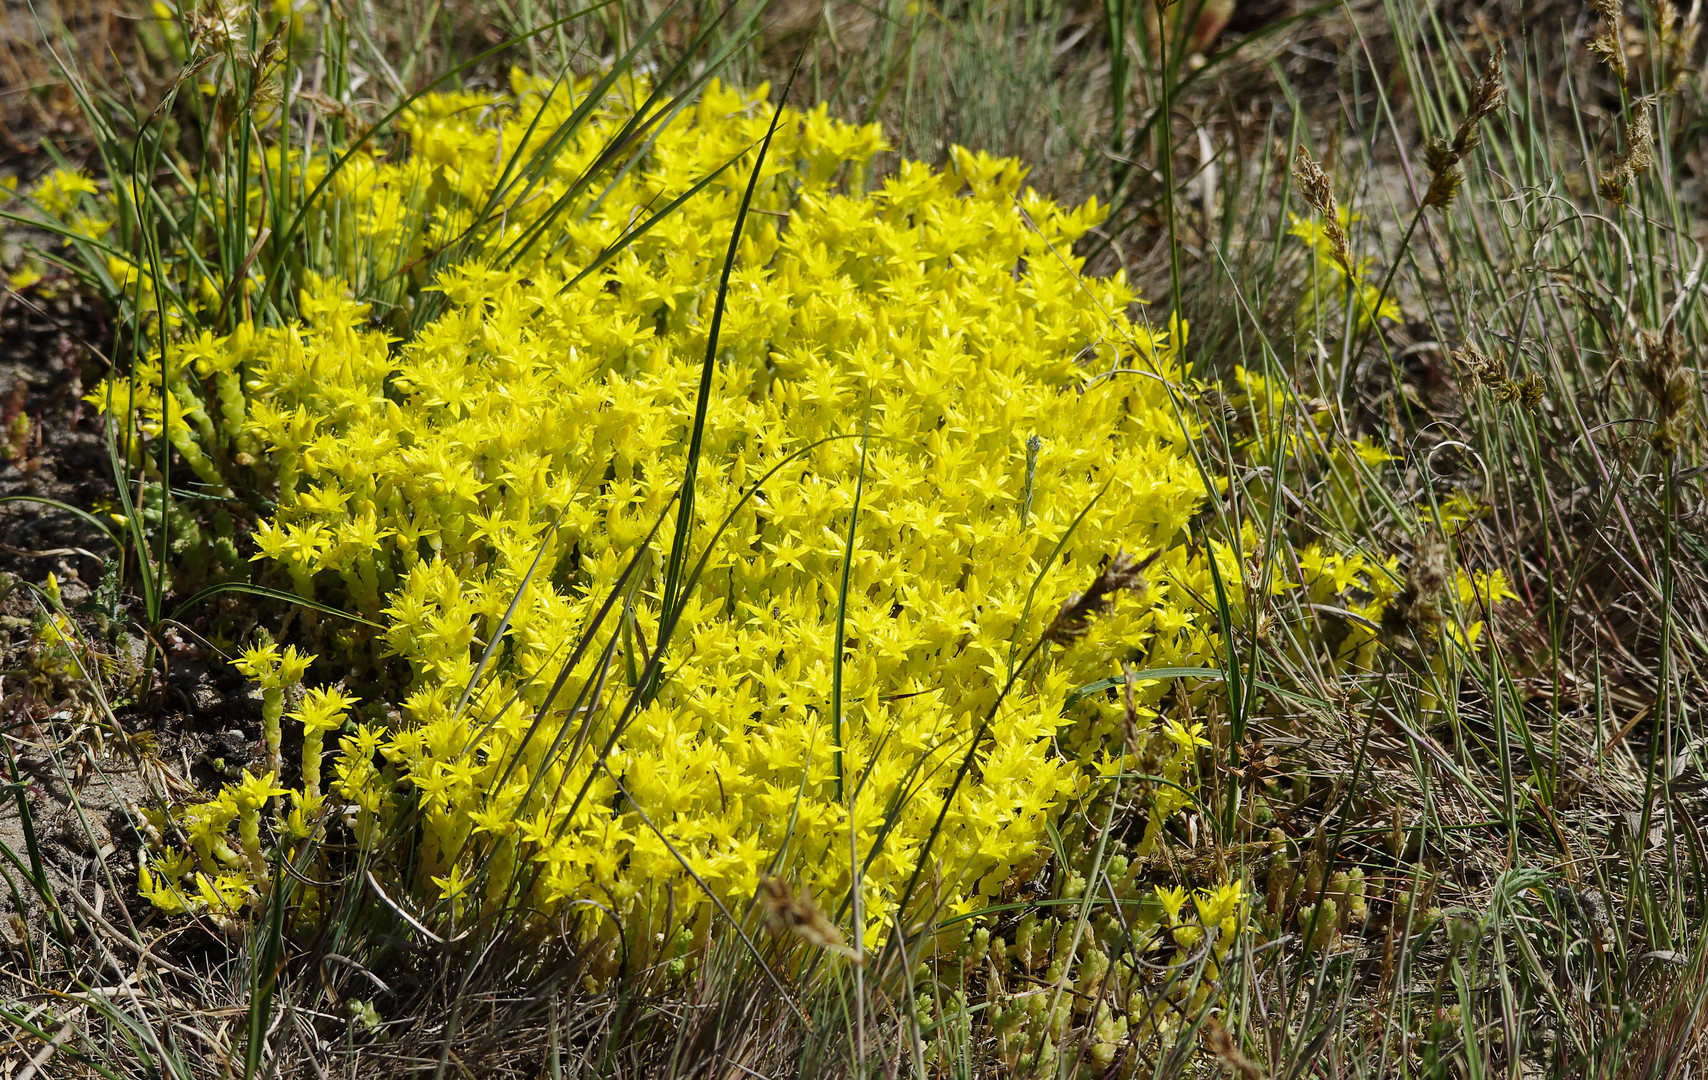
(925, 430)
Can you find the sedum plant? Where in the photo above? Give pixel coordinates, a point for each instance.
(924, 430)
(917, 441)
(274, 671)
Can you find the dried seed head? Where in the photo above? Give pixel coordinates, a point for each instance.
(1639, 141)
(788, 913)
(1120, 574)
(216, 26)
(1639, 155)
(1680, 37)
(1429, 569)
(1669, 383)
(1443, 157)
(1660, 361)
(1265, 626)
(1482, 367)
(1490, 95)
(1318, 191)
(1438, 155)
(1313, 182)
(1605, 45)
(1416, 611)
(1606, 48)
(1337, 244)
(1487, 98)
(1221, 1044)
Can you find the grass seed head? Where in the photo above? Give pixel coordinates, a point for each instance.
(1443, 187)
(1679, 36)
(1668, 381)
(1416, 611)
(789, 913)
(1120, 574)
(1438, 155)
(1221, 1044)
(1490, 96)
(1318, 191)
(1639, 141)
(1429, 570)
(1483, 368)
(1442, 157)
(1531, 390)
(1605, 45)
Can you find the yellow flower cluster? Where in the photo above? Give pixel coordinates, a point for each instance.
(212, 876)
(192, 863)
(914, 386)
(1221, 913)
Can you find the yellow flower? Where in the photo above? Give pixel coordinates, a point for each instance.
(1173, 900)
(59, 192)
(1224, 902)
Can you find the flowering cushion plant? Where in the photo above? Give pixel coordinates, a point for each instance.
(925, 429)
